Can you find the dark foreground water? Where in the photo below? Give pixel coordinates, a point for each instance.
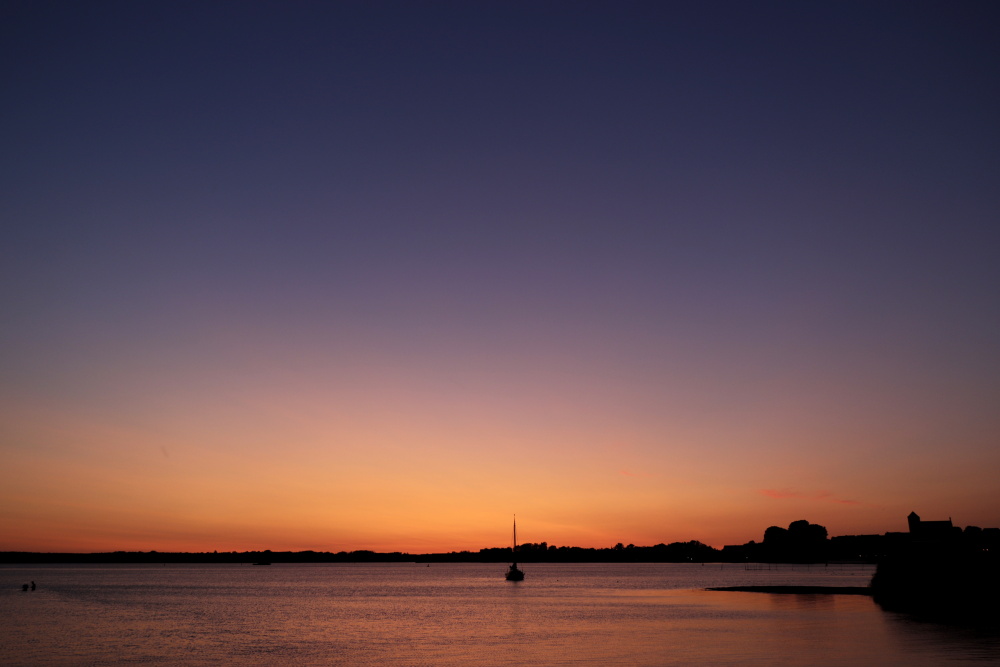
(408, 614)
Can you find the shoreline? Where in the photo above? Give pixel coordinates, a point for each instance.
(797, 590)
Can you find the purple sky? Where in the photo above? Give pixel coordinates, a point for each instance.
(753, 245)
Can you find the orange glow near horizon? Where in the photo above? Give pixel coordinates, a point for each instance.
(280, 485)
(654, 274)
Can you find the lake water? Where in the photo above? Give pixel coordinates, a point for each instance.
(460, 614)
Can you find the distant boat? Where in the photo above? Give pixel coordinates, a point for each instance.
(261, 563)
(514, 574)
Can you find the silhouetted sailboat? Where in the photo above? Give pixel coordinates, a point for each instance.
(514, 574)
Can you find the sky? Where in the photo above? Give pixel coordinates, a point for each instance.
(380, 275)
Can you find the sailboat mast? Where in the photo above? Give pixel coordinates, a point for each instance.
(514, 574)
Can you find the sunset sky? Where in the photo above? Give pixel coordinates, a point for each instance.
(379, 275)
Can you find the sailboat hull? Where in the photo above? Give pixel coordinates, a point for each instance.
(514, 574)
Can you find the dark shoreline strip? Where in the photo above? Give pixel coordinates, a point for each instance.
(802, 590)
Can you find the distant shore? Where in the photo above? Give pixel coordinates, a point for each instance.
(801, 543)
(572, 555)
(798, 590)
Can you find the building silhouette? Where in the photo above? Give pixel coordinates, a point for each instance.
(930, 530)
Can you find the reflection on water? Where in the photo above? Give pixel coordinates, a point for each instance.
(459, 615)
(979, 642)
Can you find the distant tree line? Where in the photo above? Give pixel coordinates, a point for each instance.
(801, 542)
(542, 552)
(242, 557)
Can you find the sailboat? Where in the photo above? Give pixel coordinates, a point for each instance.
(514, 574)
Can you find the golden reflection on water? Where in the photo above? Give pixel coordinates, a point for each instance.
(737, 628)
(449, 615)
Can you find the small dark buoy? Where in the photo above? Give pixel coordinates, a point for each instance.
(25, 587)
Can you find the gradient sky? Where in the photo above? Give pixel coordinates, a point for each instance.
(379, 275)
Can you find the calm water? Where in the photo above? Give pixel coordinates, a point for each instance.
(409, 614)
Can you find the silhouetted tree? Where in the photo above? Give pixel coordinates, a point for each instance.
(775, 536)
(801, 542)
